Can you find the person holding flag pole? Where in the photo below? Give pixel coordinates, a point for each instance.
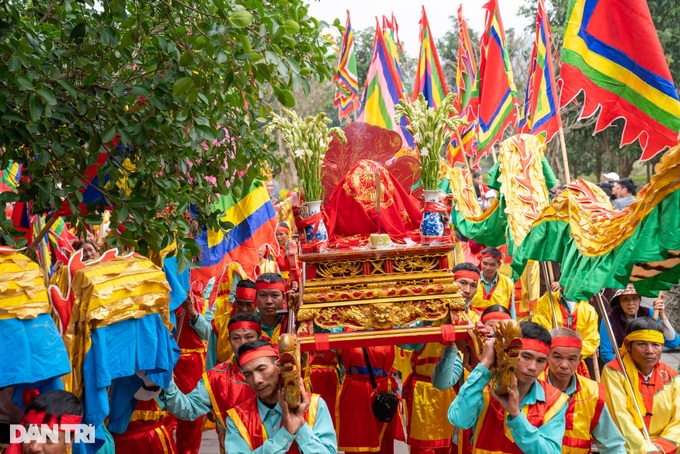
(626, 379)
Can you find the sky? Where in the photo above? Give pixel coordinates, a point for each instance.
(407, 13)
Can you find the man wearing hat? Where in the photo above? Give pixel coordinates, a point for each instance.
(494, 288)
(656, 389)
(587, 414)
(265, 423)
(625, 306)
(611, 177)
(530, 418)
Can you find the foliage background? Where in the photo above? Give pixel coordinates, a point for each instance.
(184, 87)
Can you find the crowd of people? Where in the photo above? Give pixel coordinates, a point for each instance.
(569, 391)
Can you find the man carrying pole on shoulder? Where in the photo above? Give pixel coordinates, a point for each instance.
(587, 414)
(649, 416)
(530, 419)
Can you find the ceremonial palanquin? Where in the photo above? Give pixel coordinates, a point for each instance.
(366, 291)
(373, 289)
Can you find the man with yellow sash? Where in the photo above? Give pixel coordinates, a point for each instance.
(265, 423)
(270, 295)
(222, 387)
(494, 287)
(656, 389)
(426, 406)
(529, 419)
(577, 316)
(587, 414)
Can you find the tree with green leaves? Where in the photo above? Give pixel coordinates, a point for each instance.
(183, 87)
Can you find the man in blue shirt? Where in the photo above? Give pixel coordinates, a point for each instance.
(530, 418)
(265, 423)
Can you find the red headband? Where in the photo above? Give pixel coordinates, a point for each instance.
(466, 274)
(260, 285)
(245, 293)
(495, 316)
(262, 352)
(566, 342)
(245, 325)
(282, 228)
(535, 345)
(38, 418)
(489, 254)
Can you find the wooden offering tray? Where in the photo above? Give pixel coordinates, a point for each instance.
(374, 291)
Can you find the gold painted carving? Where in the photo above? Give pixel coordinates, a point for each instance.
(507, 347)
(381, 315)
(421, 263)
(350, 293)
(330, 270)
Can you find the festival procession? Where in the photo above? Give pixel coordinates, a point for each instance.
(238, 226)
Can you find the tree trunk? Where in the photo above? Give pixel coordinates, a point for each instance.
(625, 165)
(604, 136)
(598, 166)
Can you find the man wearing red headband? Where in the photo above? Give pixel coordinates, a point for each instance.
(656, 389)
(287, 256)
(449, 368)
(466, 275)
(270, 296)
(265, 424)
(54, 409)
(529, 419)
(426, 404)
(219, 346)
(587, 415)
(222, 387)
(494, 287)
(578, 316)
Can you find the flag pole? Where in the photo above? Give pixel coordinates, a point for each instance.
(548, 283)
(564, 156)
(617, 353)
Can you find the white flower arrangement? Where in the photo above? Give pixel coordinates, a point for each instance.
(432, 129)
(307, 142)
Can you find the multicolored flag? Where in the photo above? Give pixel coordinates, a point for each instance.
(494, 101)
(9, 177)
(346, 80)
(430, 79)
(612, 53)
(541, 114)
(466, 73)
(254, 222)
(383, 90)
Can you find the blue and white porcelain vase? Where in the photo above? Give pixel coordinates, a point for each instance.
(321, 234)
(432, 225)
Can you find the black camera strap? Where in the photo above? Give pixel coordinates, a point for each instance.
(370, 369)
